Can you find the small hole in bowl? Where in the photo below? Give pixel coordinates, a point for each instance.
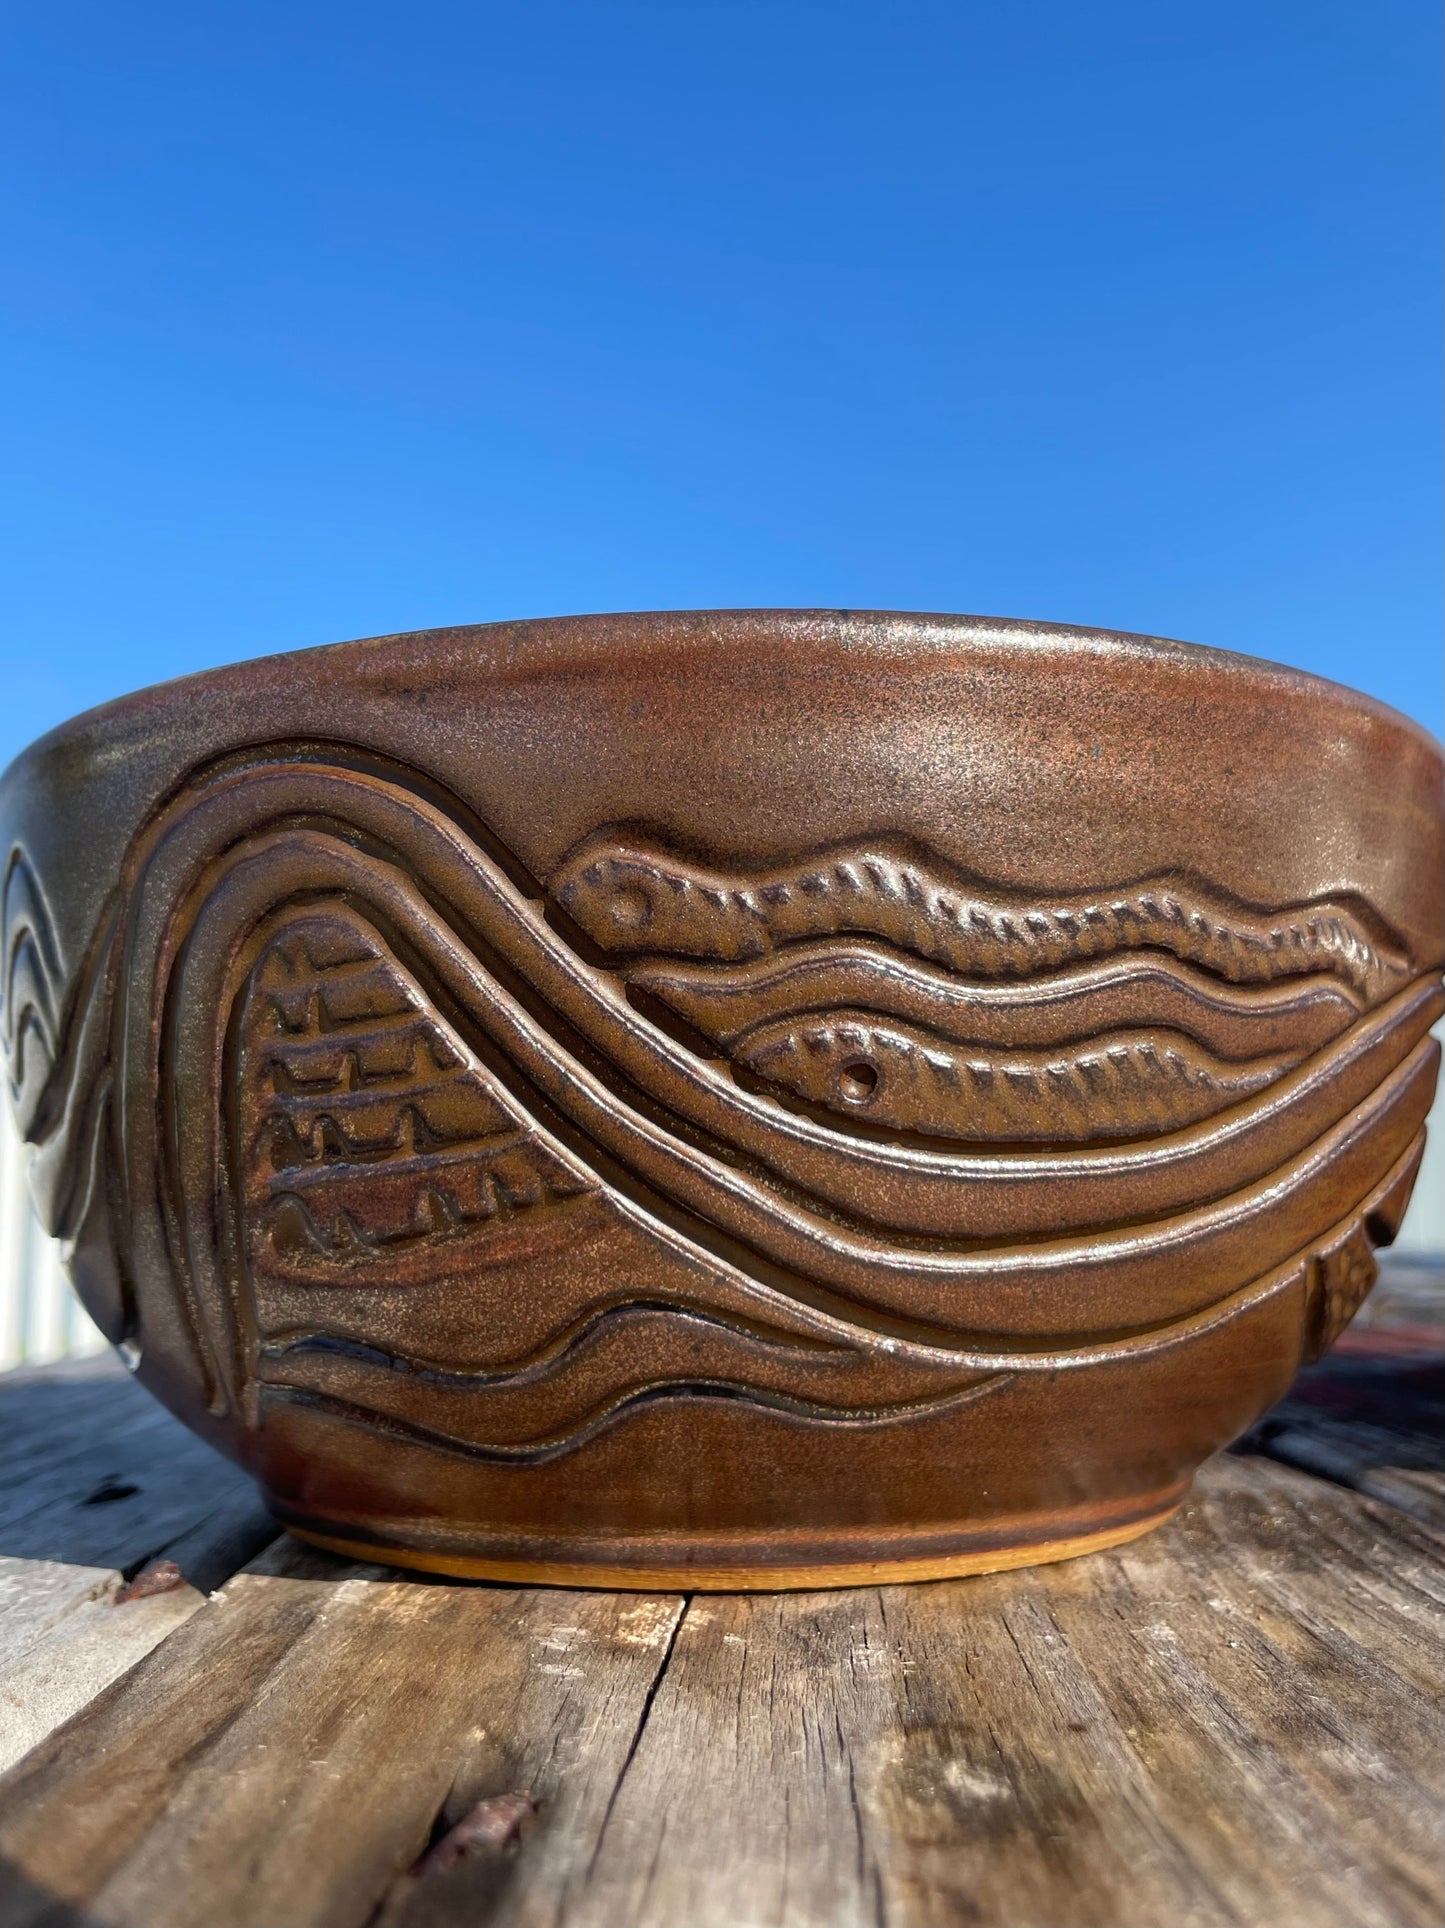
(857, 1081)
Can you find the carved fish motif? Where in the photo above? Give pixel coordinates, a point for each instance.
(629, 898)
(1122, 1085)
(993, 1020)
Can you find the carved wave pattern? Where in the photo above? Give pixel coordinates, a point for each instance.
(371, 1131)
(628, 1357)
(902, 1138)
(32, 988)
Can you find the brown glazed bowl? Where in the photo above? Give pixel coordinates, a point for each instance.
(725, 1100)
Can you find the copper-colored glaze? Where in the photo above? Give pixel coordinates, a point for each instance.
(746, 1099)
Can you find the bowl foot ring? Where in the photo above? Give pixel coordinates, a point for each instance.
(737, 1579)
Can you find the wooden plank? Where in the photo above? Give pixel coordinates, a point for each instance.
(34, 1595)
(66, 1632)
(366, 1710)
(1227, 1722)
(1371, 1415)
(1410, 1294)
(1360, 1457)
(102, 1481)
(1420, 1493)
(109, 1479)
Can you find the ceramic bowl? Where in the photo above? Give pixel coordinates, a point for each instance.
(725, 1100)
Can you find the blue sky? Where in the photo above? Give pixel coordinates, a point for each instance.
(321, 321)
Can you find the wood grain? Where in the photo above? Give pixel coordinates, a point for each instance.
(367, 1710)
(1226, 1722)
(1371, 1415)
(107, 1478)
(65, 1633)
(1222, 1722)
(103, 1481)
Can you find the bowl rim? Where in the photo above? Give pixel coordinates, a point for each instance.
(529, 643)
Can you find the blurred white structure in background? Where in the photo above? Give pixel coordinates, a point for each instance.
(41, 1318)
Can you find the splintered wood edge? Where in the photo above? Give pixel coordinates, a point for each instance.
(742, 1579)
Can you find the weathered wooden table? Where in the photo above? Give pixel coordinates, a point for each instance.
(1232, 1721)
